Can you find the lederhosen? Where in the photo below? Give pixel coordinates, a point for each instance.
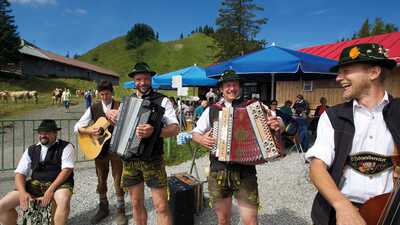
(45, 172)
(97, 111)
(342, 120)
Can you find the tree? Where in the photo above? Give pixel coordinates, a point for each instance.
(365, 30)
(181, 36)
(379, 27)
(390, 27)
(238, 18)
(139, 34)
(9, 39)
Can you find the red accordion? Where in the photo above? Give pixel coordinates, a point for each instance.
(243, 136)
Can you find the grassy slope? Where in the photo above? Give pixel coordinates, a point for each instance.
(161, 56)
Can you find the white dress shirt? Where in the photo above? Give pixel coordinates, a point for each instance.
(67, 159)
(371, 135)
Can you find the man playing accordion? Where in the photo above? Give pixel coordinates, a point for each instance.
(49, 164)
(137, 171)
(228, 178)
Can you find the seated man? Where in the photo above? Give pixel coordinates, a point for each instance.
(50, 163)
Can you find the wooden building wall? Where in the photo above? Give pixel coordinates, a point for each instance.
(33, 66)
(288, 90)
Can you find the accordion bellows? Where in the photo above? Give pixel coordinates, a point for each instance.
(243, 136)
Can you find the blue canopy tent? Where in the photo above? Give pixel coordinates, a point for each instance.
(278, 63)
(192, 76)
(155, 85)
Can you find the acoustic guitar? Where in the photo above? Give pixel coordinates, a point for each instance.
(91, 145)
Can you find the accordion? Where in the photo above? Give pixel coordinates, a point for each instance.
(135, 111)
(243, 136)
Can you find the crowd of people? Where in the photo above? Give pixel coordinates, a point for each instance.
(354, 157)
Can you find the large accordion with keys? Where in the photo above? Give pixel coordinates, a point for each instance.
(243, 136)
(135, 111)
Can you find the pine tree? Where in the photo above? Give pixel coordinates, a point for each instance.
(139, 34)
(379, 27)
(9, 39)
(365, 30)
(390, 27)
(181, 36)
(238, 18)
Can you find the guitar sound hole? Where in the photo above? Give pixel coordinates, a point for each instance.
(101, 131)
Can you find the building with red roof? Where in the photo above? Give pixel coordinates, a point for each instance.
(312, 90)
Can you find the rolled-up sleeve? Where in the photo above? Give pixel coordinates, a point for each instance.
(24, 165)
(83, 121)
(324, 146)
(169, 116)
(68, 157)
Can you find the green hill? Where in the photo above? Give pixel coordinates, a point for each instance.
(161, 56)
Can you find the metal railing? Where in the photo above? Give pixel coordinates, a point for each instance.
(17, 135)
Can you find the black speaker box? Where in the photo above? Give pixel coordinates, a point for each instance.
(181, 201)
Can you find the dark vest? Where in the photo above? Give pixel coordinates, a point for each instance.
(158, 149)
(342, 120)
(49, 169)
(216, 165)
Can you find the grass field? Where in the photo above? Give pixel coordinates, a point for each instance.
(44, 86)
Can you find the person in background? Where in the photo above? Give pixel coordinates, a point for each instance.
(88, 98)
(66, 98)
(45, 172)
(353, 157)
(211, 96)
(200, 109)
(318, 112)
(287, 108)
(301, 105)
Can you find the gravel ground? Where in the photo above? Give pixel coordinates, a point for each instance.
(285, 194)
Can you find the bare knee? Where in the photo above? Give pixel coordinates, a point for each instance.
(137, 204)
(161, 207)
(63, 199)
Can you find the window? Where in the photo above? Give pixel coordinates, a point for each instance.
(307, 85)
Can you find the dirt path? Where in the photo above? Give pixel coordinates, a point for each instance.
(53, 112)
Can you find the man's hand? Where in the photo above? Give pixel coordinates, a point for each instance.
(273, 123)
(347, 214)
(47, 197)
(24, 199)
(144, 130)
(112, 115)
(207, 140)
(95, 131)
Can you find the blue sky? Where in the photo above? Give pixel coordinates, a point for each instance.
(76, 26)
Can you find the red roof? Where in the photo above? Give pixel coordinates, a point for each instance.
(390, 41)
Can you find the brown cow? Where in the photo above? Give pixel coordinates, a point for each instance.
(57, 96)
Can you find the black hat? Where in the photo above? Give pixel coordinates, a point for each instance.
(141, 67)
(370, 53)
(228, 75)
(47, 126)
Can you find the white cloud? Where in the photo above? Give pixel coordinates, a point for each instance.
(34, 2)
(78, 11)
(319, 12)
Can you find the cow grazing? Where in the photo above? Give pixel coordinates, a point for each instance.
(57, 96)
(33, 95)
(15, 95)
(4, 96)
